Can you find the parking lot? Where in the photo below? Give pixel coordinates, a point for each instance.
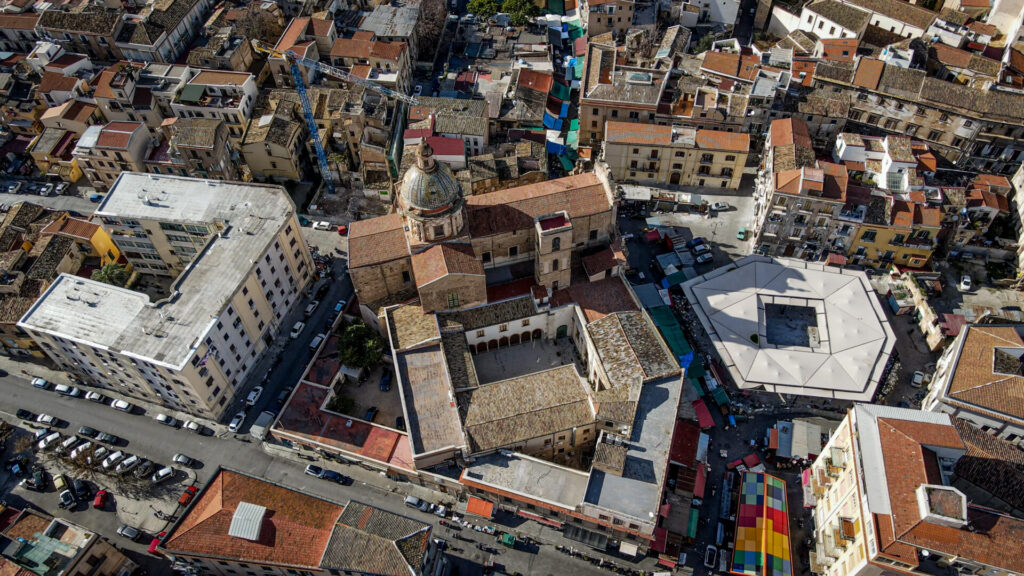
(368, 394)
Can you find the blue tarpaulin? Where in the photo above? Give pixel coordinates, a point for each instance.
(551, 122)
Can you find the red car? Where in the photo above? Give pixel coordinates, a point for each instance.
(156, 542)
(187, 495)
(100, 500)
(342, 230)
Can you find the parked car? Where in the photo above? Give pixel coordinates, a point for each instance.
(88, 432)
(322, 225)
(695, 242)
(100, 500)
(67, 444)
(60, 482)
(156, 542)
(184, 460)
(98, 454)
(700, 249)
(310, 308)
(108, 438)
(322, 291)
(81, 489)
(282, 397)
(129, 532)
(720, 206)
(385, 380)
(25, 414)
(166, 420)
(236, 422)
(13, 187)
(121, 405)
(966, 283)
(48, 420)
(917, 380)
(193, 426)
(710, 553)
(315, 471)
(315, 342)
(67, 499)
(40, 383)
(112, 459)
(333, 476)
(342, 230)
(65, 390)
(144, 469)
(61, 187)
(81, 449)
(297, 329)
(254, 396)
(705, 258)
(96, 397)
(371, 414)
(187, 495)
(46, 190)
(37, 481)
(95, 197)
(400, 423)
(162, 474)
(128, 464)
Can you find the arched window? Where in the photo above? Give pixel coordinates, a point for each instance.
(556, 244)
(554, 265)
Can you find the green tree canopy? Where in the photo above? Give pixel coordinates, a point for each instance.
(483, 9)
(115, 274)
(520, 11)
(360, 346)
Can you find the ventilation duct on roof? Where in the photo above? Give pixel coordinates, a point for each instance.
(247, 521)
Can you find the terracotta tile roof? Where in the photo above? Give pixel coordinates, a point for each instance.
(321, 27)
(926, 216)
(719, 140)
(787, 131)
(536, 80)
(629, 347)
(983, 28)
(291, 35)
(54, 81)
(869, 73)
(807, 68)
(65, 60)
(903, 11)
(366, 49)
(19, 21)
(103, 89)
(976, 385)
(992, 464)
(296, 528)
(409, 326)
(599, 262)
(377, 240)
(441, 260)
(633, 133)
(597, 299)
(374, 541)
(117, 135)
(516, 208)
(72, 227)
(839, 49)
(743, 67)
(991, 191)
(846, 16)
(220, 78)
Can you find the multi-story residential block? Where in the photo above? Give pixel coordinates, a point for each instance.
(963, 67)
(652, 154)
(35, 543)
(225, 50)
(310, 38)
(509, 166)
(236, 275)
(55, 89)
(229, 96)
(391, 23)
(325, 537)
(73, 116)
(969, 127)
(52, 153)
(885, 500)
(92, 31)
(613, 92)
(104, 152)
(603, 16)
(800, 211)
(896, 230)
(19, 32)
(389, 63)
(787, 147)
(133, 91)
(162, 30)
(271, 144)
(832, 19)
(196, 147)
(976, 379)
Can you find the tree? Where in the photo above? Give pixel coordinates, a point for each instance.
(360, 346)
(115, 274)
(258, 24)
(704, 44)
(483, 9)
(433, 15)
(520, 11)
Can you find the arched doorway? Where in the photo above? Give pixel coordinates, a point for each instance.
(527, 337)
(537, 334)
(674, 178)
(503, 342)
(472, 349)
(491, 345)
(513, 339)
(562, 332)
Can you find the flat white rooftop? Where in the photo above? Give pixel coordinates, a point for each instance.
(795, 327)
(168, 331)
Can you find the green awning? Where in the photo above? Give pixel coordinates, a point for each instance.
(674, 279)
(561, 91)
(696, 386)
(695, 369)
(574, 124)
(662, 316)
(720, 396)
(508, 539)
(556, 6)
(566, 163)
(691, 531)
(191, 93)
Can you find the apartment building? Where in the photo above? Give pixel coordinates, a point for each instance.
(162, 31)
(34, 542)
(197, 147)
(238, 264)
(224, 50)
(976, 377)
(229, 96)
(310, 38)
(138, 91)
(617, 93)
(73, 116)
(802, 209)
(652, 154)
(454, 118)
(895, 230)
(603, 16)
(885, 500)
(272, 142)
(829, 19)
(389, 62)
(395, 24)
(104, 152)
(228, 531)
(787, 147)
(18, 32)
(92, 31)
(971, 128)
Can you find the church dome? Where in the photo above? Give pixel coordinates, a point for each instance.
(429, 186)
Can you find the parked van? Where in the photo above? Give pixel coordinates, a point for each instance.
(49, 440)
(68, 443)
(412, 502)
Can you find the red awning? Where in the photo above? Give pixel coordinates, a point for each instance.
(805, 477)
(540, 519)
(479, 507)
(652, 236)
(660, 536)
(664, 510)
(734, 464)
(773, 439)
(666, 562)
(700, 482)
(751, 460)
(704, 418)
(836, 260)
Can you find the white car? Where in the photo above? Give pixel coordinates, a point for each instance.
(47, 419)
(40, 383)
(49, 440)
(166, 420)
(80, 449)
(700, 249)
(418, 90)
(128, 464)
(162, 474)
(965, 283)
(236, 422)
(121, 405)
(192, 426)
(297, 329)
(46, 190)
(720, 206)
(322, 225)
(96, 397)
(254, 396)
(113, 459)
(705, 258)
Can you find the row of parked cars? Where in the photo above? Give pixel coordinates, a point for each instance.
(36, 188)
(71, 391)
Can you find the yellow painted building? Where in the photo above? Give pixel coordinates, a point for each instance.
(895, 232)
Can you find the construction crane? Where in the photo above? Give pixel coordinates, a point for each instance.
(294, 59)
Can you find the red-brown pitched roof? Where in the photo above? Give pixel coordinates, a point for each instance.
(787, 131)
(19, 21)
(633, 133)
(295, 531)
(71, 227)
(536, 80)
(441, 260)
(54, 81)
(743, 67)
(291, 35)
(597, 299)
(869, 73)
(117, 135)
(719, 140)
(366, 49)
(516, 208)
(376, 240)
